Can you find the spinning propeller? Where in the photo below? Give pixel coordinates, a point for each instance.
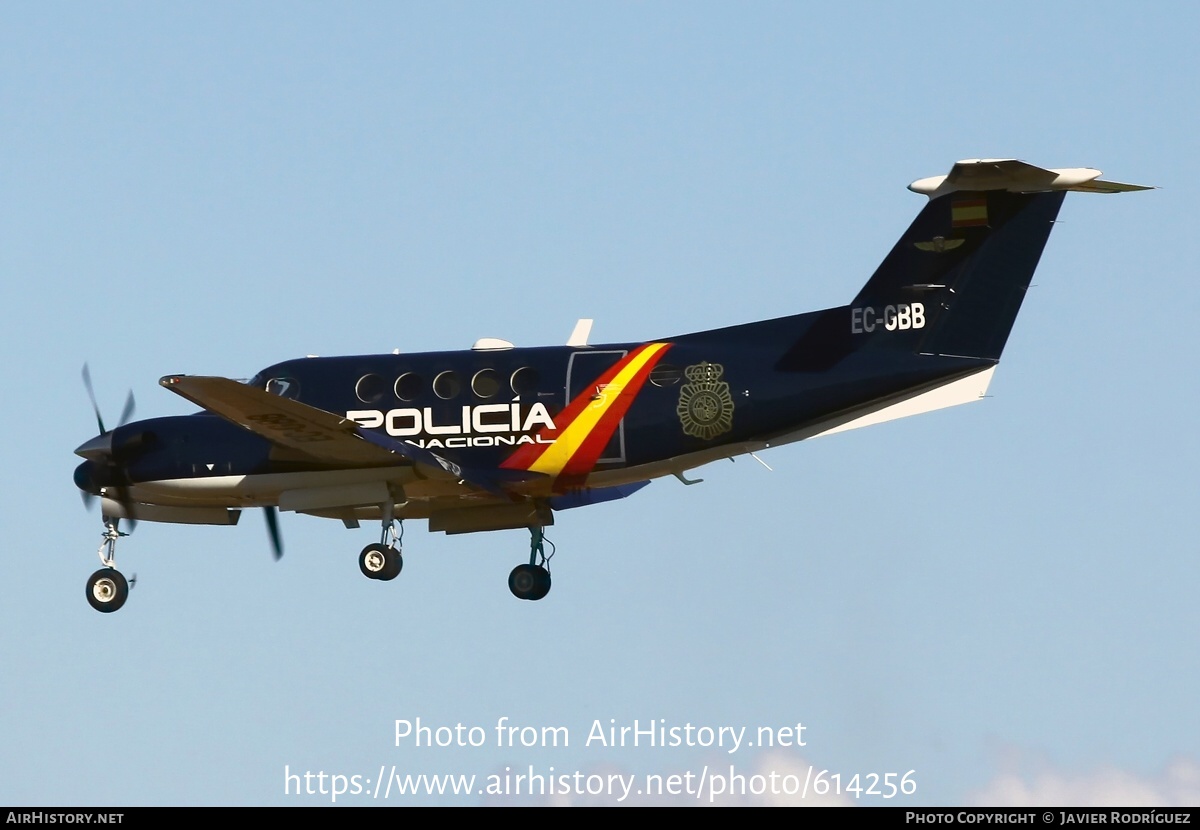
(100, 451)
(273, 530)
(104, 469)
(126, 413)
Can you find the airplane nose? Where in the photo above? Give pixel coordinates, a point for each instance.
(96, 449)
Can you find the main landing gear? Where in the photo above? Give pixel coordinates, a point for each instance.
(532, 581)
(107, 588)
(383, 561)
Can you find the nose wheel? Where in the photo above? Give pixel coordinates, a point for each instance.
(107, 590)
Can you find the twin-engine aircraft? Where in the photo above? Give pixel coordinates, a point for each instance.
(500, 437)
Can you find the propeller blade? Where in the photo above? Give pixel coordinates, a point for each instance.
(87, 383)
(127, 412)
(88, 499)
(273, 530)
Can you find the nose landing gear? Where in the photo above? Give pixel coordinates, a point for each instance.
(107, 588)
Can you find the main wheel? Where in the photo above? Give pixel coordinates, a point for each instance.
(530, 582)
(107, 590)
(543, 584)
(380, 562)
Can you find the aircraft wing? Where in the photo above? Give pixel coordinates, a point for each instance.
(324, 435)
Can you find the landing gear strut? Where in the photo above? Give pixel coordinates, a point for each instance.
(383, 561)
(532, 581)
(107, 588)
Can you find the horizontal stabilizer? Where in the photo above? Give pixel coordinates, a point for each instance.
(1100, 186)
(972, 387)
(977, 175)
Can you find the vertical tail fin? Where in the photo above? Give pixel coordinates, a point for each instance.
(959, 272)
(974, 248)
(954, 282)
(927, 329)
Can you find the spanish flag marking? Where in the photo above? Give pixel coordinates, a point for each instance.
(589, 421)
(968, 213)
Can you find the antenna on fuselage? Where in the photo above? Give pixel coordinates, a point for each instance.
(581, 333)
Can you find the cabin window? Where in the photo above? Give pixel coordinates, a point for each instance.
(370, 388)
(524, 381)
(665, 374)
(447, 385)
(485, 384)
(409, 386)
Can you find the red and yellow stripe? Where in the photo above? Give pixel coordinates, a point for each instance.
(587, 424)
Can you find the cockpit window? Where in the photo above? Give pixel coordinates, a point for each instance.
(284, 387)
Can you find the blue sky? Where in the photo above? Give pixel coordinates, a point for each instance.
(1008, 610)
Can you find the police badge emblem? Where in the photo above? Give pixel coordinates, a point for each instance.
(705, 405)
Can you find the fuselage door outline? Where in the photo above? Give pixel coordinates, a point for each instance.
(584, 368)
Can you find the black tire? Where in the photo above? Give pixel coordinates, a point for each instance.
(107, 590)
(543, 583)
(380, 562)
(395, 564)
(531, 582)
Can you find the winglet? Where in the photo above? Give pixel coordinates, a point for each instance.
(1017, 177)
(581, 333)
